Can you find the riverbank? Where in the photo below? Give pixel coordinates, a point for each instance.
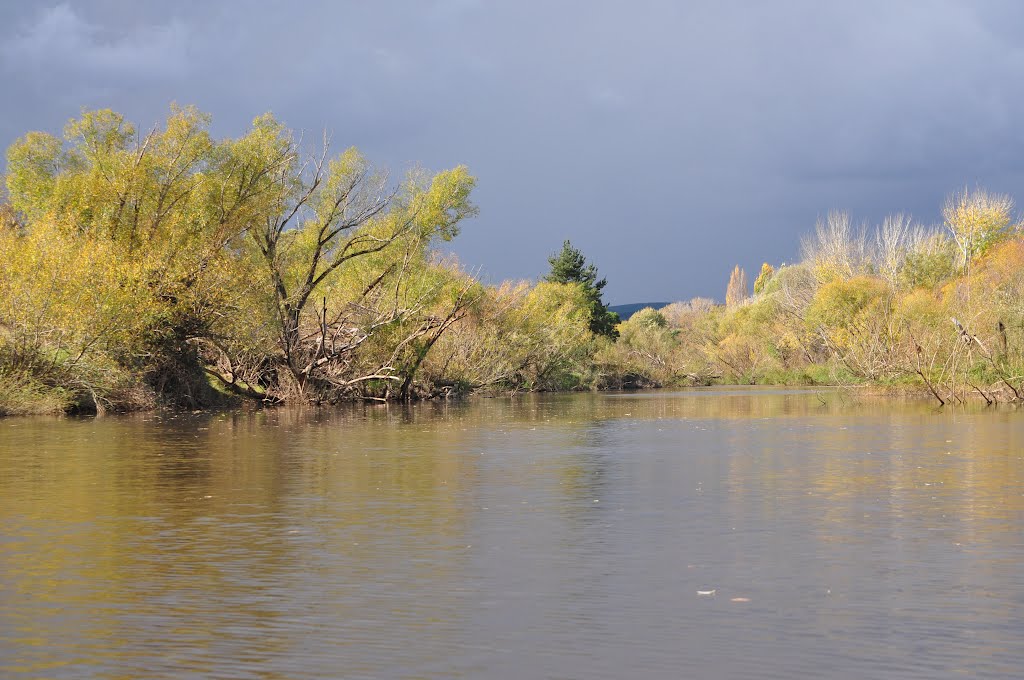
(255, 284)
(21, 397)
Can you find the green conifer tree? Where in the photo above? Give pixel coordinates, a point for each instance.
(570, 266)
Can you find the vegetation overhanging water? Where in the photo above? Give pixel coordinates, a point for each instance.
(170, 267)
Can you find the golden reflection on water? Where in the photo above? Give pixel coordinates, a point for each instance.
(391, 538)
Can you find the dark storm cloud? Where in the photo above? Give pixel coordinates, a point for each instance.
(59, 40)
(669, 140)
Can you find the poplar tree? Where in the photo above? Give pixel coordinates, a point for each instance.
(736, 293)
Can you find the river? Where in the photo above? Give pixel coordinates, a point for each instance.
(721, 533)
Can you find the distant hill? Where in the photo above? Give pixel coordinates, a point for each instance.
(626, 311)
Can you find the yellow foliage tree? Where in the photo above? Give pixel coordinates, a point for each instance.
(767, 272)
(736, 292)
(978, 220)
(208, 243)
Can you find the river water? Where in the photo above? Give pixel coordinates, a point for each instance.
(555, 536)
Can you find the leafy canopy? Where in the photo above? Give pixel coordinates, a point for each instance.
(570, 266)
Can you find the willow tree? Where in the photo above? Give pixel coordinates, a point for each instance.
(977, 220)
(219, 240)
(324, 213)
(158, 210)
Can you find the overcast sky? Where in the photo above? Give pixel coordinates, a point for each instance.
(668, 140)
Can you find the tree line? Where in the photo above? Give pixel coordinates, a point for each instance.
(934, 309)
(168, 267)
(140, 268)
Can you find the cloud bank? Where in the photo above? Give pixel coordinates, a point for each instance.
(669, 141)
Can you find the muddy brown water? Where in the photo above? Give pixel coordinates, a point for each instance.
(729, 533)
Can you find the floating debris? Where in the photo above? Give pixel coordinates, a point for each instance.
(740, 599)
(707, 592)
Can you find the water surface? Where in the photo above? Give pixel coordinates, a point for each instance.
(562, 536)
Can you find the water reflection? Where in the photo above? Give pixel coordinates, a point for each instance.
(546, 536)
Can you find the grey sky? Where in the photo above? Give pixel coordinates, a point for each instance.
(668, 140)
